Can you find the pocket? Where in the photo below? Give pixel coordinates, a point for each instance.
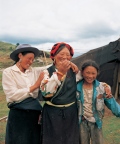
(100, 104)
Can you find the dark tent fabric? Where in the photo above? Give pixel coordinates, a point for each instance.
(108, 59)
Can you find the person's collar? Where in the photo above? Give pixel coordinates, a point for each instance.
(15, 68)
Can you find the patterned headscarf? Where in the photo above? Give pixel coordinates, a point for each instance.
(57, 48)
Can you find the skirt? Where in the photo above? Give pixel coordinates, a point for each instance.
(22, 127)
(60, 125)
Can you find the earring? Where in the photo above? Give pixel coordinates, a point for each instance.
(20, 60)
(54, 61)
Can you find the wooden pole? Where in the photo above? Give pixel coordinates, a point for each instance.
(45, 57)
(3, 118)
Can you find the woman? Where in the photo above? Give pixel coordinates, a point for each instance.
(91, 97)
(21, 83)
(60, 119)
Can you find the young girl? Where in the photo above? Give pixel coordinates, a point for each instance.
(91, 98)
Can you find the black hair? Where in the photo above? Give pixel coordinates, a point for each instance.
(23, 53)
(62, 46)
(89, 62)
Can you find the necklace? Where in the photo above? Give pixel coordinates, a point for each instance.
(20, 67)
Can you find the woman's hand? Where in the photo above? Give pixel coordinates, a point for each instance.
(74, 67)
(64, 66)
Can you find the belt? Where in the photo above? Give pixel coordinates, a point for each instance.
(11, 103)
(66, 105)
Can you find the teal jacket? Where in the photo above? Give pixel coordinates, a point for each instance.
(111, 103)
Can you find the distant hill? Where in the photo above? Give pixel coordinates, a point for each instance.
(5, 50)
(6, 46)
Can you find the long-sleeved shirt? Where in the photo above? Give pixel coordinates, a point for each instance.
(98, 104)
(16, 84)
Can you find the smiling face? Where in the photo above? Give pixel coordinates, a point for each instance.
(89, 74)
(26, 61)
(64, 54)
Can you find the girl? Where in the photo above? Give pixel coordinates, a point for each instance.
(91, 98)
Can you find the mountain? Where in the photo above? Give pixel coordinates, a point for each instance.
(76, 54)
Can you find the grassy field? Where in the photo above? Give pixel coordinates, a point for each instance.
(111, 124)
(111, 130)
(3, 112)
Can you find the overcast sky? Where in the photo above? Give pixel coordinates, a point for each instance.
(84, 24)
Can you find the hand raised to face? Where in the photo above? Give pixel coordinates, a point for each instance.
(64, 66)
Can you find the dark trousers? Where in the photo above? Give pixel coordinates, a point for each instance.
(22, 127)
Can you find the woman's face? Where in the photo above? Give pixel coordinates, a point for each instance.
(89, 74)
(64, 54)
(26, 60)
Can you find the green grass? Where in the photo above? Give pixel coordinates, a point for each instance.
(3, 105)
(3, 112)
(111, 130)
(2, 132)
(6, 46)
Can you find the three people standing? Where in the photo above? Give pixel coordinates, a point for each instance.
(21, 83)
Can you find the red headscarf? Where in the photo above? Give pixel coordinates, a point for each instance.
(56, 47)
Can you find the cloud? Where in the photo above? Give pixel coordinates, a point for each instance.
(84, 24)
(97, 30)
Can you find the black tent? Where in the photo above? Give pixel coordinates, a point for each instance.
(108, 58)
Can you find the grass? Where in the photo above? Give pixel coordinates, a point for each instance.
(111, 130)
(3, 112)
(3, 106)
(2, 132)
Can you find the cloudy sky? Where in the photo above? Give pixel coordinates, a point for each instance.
(84, 24)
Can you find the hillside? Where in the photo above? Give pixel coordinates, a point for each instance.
(7, 48)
